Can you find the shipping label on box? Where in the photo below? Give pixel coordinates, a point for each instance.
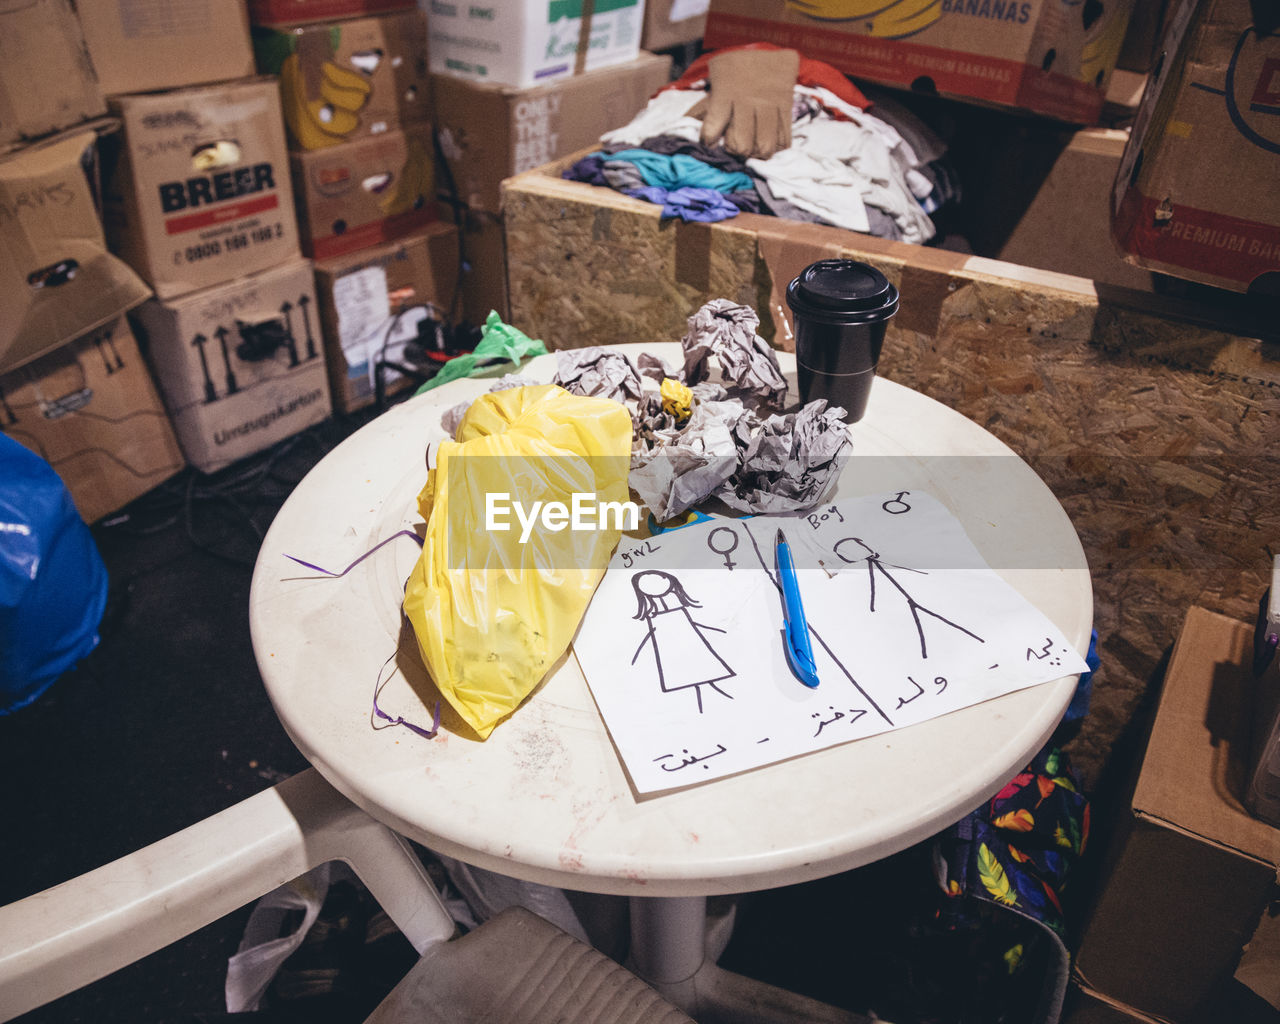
(374, 301)
(57, 279)
(362, 193)
(529, 42)
(46, 80)
(90, 409)
(1196, 194)
(349, 79)
(490, 132)
(138, 47)
(302, 12)
(240, 365)
(1051, 57)
(202, 193)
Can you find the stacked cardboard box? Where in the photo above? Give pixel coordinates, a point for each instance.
(1188, 872)
(1052, 59)
(1195, 193)
(200, 203)
(72, 385)
(356, 95)
(524, 43)
(488, 132)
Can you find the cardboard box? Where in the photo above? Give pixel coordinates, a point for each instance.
(669, 23)
(350, 79)
(46, 80)
(90, 409)
(1040, 199)
(201, 192)
(166, 44)
(1189, 871)
(241, 365)
(1196, 193)
(531, 42)
(301, 12)
(371, 303)
(1049, 58)
(365, 192)
(490, 132)
(57, 279)
(484, 268)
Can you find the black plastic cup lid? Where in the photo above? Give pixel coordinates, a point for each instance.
(842, 292)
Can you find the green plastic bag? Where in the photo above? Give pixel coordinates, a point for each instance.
(498, 340)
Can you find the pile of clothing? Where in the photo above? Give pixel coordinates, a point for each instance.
(761, 129)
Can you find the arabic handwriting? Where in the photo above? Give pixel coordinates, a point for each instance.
(853, 714)
(907, 700)
(689, 759)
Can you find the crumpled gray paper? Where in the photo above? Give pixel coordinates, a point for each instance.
(688, 462)
(727, 331)
(452, 416)
(786, 463)
(597, 372)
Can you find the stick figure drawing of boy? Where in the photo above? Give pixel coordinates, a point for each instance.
(682, 653)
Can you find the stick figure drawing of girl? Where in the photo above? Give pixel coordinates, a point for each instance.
(682, 653)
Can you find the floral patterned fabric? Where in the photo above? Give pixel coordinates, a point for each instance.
(1018, 851)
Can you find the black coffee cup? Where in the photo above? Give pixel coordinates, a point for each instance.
(841, 310)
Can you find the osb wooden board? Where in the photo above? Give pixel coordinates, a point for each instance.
(1156, 431)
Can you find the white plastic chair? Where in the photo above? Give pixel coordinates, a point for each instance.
(516, 968)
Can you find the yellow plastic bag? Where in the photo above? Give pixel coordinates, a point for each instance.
(499, 589)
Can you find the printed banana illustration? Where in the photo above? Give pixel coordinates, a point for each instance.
(328, 119)
(841, 10)
(906, 18)
(415, 184)
(346, 90)
(1102, 49)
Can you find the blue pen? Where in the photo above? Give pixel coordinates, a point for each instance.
(795, 634)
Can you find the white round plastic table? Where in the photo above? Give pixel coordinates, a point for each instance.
(545, 797)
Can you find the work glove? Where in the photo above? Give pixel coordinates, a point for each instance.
(749, 102)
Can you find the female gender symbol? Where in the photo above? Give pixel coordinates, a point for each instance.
(725, 550)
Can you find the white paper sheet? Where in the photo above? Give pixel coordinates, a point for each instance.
(682, 643)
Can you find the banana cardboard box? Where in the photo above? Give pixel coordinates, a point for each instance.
(200, 193)
(1196, 192)
(489, 132)
(1050, 57)
(57, 278)
(90, 409)
(375, 302)
(530, 42)
(362, 193)
(302, 12)
(240, 365)
(349, 79)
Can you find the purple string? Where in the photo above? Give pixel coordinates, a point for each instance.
(378, 683)
(412, 727)
(335, 575)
